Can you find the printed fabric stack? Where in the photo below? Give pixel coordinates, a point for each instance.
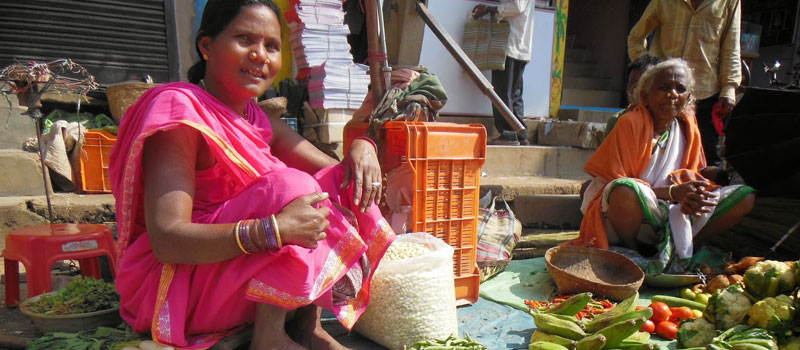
(322, 55)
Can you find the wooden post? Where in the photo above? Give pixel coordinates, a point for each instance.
(374, 47)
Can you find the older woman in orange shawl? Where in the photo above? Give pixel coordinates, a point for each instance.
(648, 189)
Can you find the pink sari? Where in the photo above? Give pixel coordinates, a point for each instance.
(194, 306)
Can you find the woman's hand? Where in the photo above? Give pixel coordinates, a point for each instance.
(361, 166)
(302, 222)
(693, 198)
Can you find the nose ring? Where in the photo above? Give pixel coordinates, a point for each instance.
(253, 55)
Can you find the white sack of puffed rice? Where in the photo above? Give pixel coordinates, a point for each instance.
(412, 296)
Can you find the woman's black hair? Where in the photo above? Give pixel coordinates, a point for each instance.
(216, 16)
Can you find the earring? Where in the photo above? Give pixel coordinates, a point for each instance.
(205, 57)
(267, 61)
(253, 55)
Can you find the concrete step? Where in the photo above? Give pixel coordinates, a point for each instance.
(587, 83)
(21, 173)
(535, 242)
(542, 161)
(577, 55)
(512, 187)
(549, 210)
(581, 69)
(597, 115)
(592, 98)
(15, 128)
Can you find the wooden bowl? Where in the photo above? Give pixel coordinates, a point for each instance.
(585, 269)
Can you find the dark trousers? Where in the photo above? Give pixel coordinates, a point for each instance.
(508, 85)
(708, 134)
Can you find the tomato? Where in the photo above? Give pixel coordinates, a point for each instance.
(648, 327)
(661, 312)
(667, 330)
(681, 313)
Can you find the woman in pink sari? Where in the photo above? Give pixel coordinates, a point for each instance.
(226, 216)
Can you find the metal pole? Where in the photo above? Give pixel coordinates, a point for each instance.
(387, 71)
(477, 77)
(45, 171)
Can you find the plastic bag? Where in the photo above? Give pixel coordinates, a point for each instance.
(412, 299)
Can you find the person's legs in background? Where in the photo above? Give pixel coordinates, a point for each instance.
(517, 104)
(503, 82)
(709, 136)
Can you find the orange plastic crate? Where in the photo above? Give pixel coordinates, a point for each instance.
(94, 161)
(446, 160)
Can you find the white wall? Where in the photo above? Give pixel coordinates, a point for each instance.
(464, 98)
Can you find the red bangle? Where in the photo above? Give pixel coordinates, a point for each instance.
(374, 145)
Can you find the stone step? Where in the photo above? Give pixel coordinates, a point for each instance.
(512, 187)
(596, 115)
(21, 173)
(15, 128)
(543, 161)
(588, 83)
(535, 242)
(577, 55)
(581, 69)
(549, 210)
(592, 98)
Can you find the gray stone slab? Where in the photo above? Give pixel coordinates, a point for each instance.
(21, 174)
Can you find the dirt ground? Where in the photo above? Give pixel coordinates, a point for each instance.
(15, 328)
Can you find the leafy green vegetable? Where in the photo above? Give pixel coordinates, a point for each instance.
(451, 342)
(103, 338)
(81, 295)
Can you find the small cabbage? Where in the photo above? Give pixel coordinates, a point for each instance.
(696, 333)
(769, 278)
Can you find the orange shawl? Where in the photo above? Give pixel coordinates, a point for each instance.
(626, 152)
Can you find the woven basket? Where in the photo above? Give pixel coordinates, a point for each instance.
(123, 95)
(602, 272)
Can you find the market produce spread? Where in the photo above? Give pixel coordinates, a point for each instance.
(81, 295)
(751, 306)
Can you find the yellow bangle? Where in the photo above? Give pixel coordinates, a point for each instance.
(670, 192)
(277, 233)
(238, 239)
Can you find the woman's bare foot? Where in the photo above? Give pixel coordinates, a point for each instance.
(268, 330)
(306, 329)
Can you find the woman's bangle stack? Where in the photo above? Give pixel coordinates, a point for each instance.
(255, 235)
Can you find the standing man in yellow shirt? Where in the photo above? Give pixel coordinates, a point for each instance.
(705, 33)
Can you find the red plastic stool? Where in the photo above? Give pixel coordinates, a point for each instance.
(39, 247)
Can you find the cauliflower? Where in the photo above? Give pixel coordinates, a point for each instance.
(774, 314)
(695, 333)
(728, 307)
(769, 278)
